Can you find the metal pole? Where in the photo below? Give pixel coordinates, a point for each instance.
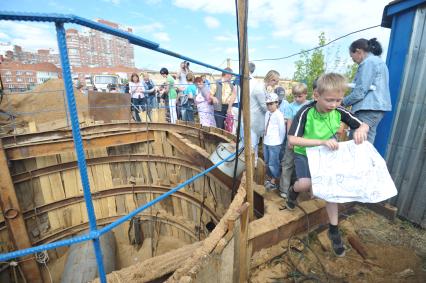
(69, 90)
(245, 95)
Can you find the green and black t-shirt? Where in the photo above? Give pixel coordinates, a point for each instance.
(311, 124)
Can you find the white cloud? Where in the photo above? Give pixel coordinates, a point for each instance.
(291, 25)
(226, 38)
(211, 22)
(115, 2)
(153, 2)
(162, 36)
(213, 7)
(148, 28)
(31, 36)
(3, 35)
(300, 21)
(154, 31)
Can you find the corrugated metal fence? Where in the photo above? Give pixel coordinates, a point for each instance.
(407, 149)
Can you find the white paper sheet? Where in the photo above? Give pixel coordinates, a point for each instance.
(351, 173)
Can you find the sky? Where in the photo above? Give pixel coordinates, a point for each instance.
(206, 30)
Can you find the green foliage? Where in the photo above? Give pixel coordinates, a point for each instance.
(310, 66)
(351, 71)
(313, 64)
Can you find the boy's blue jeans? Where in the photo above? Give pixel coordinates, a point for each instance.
(272, 156)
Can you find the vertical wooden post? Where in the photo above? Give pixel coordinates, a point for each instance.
(245, 251)
(242, 252)
(15, 220)
(228, 62)
(245, 97)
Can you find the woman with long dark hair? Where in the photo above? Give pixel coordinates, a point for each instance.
(370, 96)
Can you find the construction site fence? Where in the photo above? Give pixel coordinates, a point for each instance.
(94, 233)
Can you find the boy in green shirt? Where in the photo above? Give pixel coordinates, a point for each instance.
(316, 124)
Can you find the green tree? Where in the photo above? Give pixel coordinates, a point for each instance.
(310, 66)
(351, 71)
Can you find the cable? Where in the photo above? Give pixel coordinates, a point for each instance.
(241, 81)
(317, 47)
(43, 258)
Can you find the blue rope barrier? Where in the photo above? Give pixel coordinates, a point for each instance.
(94, 234)
(163, 196)
(97, 233)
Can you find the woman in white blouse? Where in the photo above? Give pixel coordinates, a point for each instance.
(136, 90)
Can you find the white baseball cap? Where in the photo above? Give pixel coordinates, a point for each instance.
(271, 97)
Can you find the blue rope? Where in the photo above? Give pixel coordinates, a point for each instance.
(97, 233)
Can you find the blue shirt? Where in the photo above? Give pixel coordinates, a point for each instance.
(283, 106)
(292, 108)
(371, 72)
(191, 89)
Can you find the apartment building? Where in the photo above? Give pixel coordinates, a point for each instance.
(21, 77)
(92, 48)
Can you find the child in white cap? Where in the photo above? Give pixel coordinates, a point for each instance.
(272, 140)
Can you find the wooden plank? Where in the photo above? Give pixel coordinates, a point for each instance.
(47, 192)
(57, 147)
(167, 147)
(154, 174)
(121, 205)
(147, 176)
(15, 223)
(130, 201)
(177, 209)
(69, 177)
(384, 209)
(157, 145)
(199, 156)
(112, 207)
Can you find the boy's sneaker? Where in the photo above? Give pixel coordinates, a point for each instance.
(291, 198)
(337, 244)
(283, 194)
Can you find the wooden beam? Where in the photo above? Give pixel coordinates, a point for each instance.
(158, 266)
(63, 167)
(197, 155)
(110, 129)
(280, 225)
(15, 220)
(244, 71)
(55, 147)
(122, 190)
(384, 209)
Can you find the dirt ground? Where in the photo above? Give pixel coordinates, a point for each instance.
(396, 252)
(45, 105)
(126, 255)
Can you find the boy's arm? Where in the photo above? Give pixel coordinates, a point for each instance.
(353, 122)
(296, 132)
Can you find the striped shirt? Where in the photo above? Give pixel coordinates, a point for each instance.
(311, 124)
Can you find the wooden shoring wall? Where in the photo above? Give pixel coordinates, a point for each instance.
(123, 176)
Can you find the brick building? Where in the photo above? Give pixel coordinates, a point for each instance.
(21, 77)
(17, 54)
(92, 48)
(88, 48)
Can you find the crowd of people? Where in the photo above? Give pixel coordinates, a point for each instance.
(285, 128)
(304, 123)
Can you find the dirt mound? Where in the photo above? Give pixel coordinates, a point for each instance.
(396, 252)
(45, 104)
